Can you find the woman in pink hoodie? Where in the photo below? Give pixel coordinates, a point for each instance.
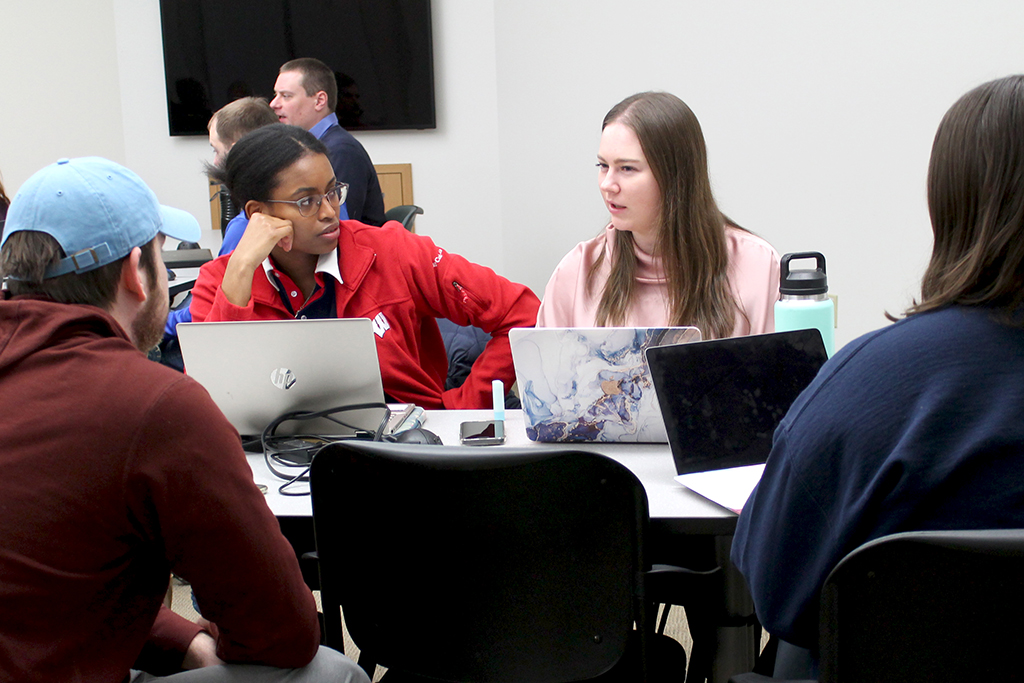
(668, 256)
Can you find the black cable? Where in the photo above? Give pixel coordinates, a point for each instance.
(298, 451)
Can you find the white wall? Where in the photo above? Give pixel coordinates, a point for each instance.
(60, 96)
(172, 166)
(818, 117)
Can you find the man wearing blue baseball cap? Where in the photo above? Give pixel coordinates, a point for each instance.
(118, 471)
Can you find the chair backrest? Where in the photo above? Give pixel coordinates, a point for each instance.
(404, 214)
(926, 606)
(467, 564)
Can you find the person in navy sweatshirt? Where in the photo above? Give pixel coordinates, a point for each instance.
(919, 425)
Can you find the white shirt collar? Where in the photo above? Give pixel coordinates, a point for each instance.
(327, 263)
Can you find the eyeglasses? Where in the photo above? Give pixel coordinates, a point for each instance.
(307, 206)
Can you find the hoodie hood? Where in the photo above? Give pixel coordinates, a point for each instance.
(31, 324)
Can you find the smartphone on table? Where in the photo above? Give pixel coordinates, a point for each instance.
(482, 433)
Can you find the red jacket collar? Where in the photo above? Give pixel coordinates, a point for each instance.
(354, 261)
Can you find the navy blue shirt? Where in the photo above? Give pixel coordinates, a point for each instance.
(917, 426)
(321, 303)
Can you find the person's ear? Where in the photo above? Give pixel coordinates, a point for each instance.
(131, 276)
(321, 101)
(252, 206)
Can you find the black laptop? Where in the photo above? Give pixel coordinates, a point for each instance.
(722, 399)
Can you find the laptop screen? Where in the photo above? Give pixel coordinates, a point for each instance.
(721, 400)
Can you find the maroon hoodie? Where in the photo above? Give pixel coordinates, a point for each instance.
(114, 472)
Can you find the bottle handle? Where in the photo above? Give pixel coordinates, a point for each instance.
(819, 260)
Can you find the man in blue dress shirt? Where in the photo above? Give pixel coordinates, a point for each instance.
(306, 95)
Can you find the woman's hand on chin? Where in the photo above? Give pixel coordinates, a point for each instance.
(262, 234)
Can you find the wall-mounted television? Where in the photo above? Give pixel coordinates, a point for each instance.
(381, 51)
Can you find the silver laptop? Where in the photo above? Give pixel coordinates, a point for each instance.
(256, 371)
(591, 384)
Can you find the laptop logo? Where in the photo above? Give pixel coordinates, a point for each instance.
(283, 378)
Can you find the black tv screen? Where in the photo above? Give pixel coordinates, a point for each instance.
(216, 51)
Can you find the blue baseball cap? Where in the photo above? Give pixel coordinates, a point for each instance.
(97, 210)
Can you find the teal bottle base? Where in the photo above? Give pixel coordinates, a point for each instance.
(804, 314)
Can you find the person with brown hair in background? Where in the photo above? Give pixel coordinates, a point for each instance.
(227, 125)
(668, 255)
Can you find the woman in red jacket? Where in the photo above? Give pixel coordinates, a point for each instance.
(297, 260)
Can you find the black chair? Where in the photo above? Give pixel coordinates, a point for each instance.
(405, 214)
(228, 210)
(702, 594)
(462, 564)
(187, 255)
(924, 606)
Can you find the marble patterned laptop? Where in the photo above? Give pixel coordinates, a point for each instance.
(591, 384)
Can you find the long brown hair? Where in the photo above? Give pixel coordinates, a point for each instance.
(690, 238)
(976, 202)
(5, 201)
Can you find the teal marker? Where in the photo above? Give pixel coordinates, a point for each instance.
(498, 391)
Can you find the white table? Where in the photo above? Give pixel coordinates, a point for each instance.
(672, 505)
